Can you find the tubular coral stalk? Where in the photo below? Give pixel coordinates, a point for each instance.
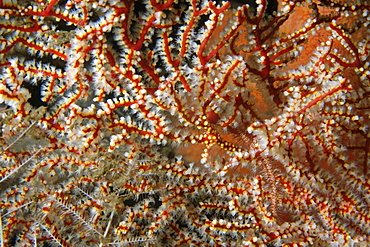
(184, 122)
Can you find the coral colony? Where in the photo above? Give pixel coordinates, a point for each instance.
(184, 123)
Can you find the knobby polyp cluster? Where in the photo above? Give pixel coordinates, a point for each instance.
(178, 123)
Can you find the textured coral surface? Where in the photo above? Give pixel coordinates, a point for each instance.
(184, 123)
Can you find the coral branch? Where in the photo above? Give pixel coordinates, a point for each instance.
(189, 122)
